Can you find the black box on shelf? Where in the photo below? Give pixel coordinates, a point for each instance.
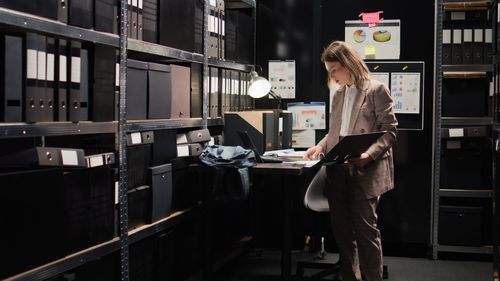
(81, 13)
(466, 164)
(460, 225)
(164, 148)
(159, 91)
(137, 87)
(465, 97)
(104, 17)
(11, 79)
(103, 97)
(150, 21)
(161, 184)
(181, 24)
(139, 206)
(43, 8)
(239, 36)
(33, 216)
(138, 160)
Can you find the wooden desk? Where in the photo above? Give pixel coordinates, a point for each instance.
(288, 174)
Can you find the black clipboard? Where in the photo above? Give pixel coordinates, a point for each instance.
(350, 146)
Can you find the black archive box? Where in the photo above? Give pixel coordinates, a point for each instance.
(466, 163)
(81, 13)
(164, 148)
(137, 87)
(239, 36)
(103, 97)
(159, 91)
(104, 17)
(11, 79)
(34, 215)
(139, 206)
(181, 24)
(43, 8)
(150, 21)
(465, 97)
(460, 225)
(161, 184)
(138, 160)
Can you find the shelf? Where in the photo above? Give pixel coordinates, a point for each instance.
(464, 74)
(67, 263)
(151, 229)
(461, 5)
(163, 124)
(465, 249)
(478, 193)
(464, 68)
(52, 27)
(464, 121)
(172, 53)
(239, 4)
(12, 130)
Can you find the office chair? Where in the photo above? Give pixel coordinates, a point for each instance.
(314, 200)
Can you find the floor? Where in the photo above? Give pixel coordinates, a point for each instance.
(265, 266)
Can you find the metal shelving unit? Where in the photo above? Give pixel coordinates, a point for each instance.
(443, 72)
(30, 22)
(62, 265)
(26, 22)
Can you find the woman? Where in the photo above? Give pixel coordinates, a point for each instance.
(360, 105)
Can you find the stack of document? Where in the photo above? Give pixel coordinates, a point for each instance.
(286, 153)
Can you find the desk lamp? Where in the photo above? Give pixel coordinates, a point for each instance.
(260, 87)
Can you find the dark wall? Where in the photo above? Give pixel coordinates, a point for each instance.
(299, 30)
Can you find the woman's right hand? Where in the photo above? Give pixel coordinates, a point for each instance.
(312, 152)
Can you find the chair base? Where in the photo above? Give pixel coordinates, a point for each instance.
(327, 269)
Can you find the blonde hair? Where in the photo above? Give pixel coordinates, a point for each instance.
(341, 52)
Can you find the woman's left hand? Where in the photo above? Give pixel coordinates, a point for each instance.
(360, 161)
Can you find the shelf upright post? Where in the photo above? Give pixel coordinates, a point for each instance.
(205, 105)
(122, 147)
(436, 132)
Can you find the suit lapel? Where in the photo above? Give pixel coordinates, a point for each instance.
(356, 107)
(338, 103)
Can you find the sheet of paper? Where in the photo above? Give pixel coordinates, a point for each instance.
(405, 90)
(308, 115)
(381, 77)
(303, 138)
(282, 78)
(379, 42)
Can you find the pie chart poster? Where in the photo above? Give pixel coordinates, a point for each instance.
(381, 42)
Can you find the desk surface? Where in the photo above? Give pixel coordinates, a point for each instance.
(278, 168)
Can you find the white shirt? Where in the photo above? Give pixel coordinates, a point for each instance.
(349, 95)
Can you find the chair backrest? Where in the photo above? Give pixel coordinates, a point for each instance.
(315, 200)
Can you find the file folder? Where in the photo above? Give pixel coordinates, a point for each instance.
(84, 83)
(159, 91)
(31, 109)
(11, 82)
(103, 96)
(75, 79)
(134, 19)
(44, 156)
(104, 18)
(348, 147)
(62, 10)
(488, 46)
(149, 21)
(81, 13)
(50, 80)
(137, 88)
(477, 48)
(164, 149)
(214, 92)
(196, 90)
(181, 91)
(140, 19)
(467, 56)
(61, 94)
(456, 50)
(41, 97)
(202, 135)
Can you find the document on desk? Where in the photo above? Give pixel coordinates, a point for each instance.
(303, 163)
(286, 153)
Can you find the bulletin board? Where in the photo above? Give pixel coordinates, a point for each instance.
(405, 80)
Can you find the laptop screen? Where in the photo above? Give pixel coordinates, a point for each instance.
(249, 144)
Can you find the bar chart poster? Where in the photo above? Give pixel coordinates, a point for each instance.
(405, 90)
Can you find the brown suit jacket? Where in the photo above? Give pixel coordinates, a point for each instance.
(371, 112)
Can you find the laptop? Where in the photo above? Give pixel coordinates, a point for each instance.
(249, 144)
